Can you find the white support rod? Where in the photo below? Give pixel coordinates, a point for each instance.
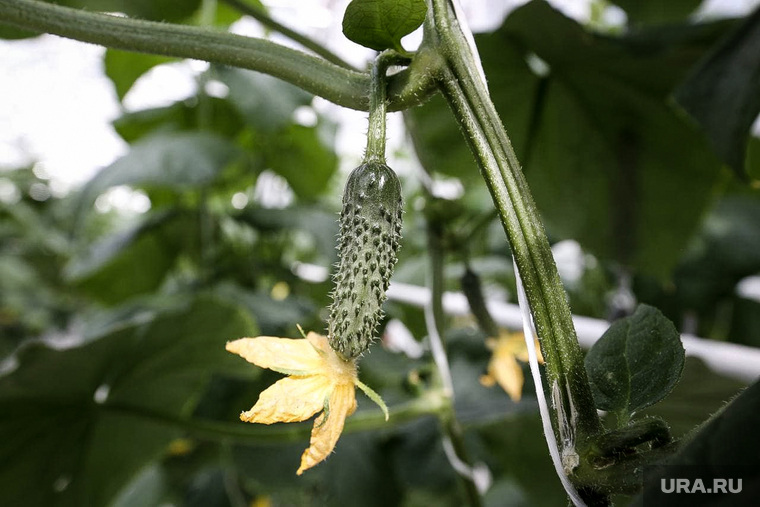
(736, 361)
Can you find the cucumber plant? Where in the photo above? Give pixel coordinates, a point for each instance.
(635, 364)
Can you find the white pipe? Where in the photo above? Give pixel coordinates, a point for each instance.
(730, 359)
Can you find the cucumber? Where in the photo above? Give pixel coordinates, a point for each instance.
(370, 233)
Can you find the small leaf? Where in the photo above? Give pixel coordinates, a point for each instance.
(380, 24)
(636, 363)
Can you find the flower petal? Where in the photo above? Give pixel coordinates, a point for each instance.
(290, 399)
(328, 426)
(508, 374)
(285, 355)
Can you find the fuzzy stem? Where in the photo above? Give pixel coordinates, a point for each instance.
(335, 83)
(574, 418)
(378, 104)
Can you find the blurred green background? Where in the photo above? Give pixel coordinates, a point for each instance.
(115, 388)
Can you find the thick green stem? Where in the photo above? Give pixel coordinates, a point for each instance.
(378, 104)
(335, 83)
(574, 417)
(377, 109)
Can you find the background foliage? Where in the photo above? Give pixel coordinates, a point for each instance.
(116, 389)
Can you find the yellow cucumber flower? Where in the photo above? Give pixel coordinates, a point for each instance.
(503, 367)
(318, 381)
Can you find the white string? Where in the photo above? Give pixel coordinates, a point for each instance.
(439, 354)
(543, 407)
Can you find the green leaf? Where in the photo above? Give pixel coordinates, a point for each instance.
(265, 102)
(725, 250)
(131, 262)
(178, 161)
(272, 316)
(148, 488)
(606, 153)
(636, 363)
(753, 160)
(699, 393)
(728, 442)
(221, 118)
(319, 222)
(12, 33)
(124, 68)
(155, 10)
(302, 155)
(85, 420)
(380, 24)
(722, 94)
(656, 11)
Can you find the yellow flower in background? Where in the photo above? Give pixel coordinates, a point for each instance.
(503, 367)
(318, 381)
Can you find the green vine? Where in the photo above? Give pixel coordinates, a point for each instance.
(335, 83)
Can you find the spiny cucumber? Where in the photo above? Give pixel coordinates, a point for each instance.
(370, 232)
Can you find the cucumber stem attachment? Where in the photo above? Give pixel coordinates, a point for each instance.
(378, 102)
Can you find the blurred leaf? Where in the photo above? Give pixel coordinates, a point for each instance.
(351, 474)
(147, 488)
(315, 220)
(656, 11)
(222, 119)
(729, 441)
(753, 159)
(155, 10)
(271, 315)
(723, 94)
(226, 14)
(12, 33)
(124, 68)
(745, 322)
(175, 160)
(86, 419)
(725, 250)
(522, 457)
(606, 154)
(380, 24)
(266, 103)
(636, 363)
(301, 156)
(131, 262)
(698, 395)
